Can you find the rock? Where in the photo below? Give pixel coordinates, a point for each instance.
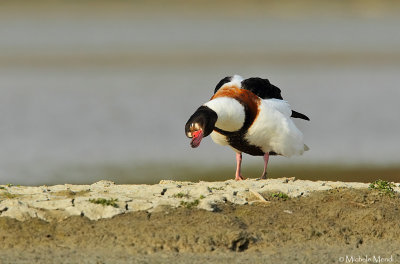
(94, 211)
(139, 205)
(18, 210)
(52, 204)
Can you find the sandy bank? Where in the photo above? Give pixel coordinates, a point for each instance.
(105, 199)
(206, 222)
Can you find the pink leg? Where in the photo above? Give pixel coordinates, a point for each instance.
(238, 175)
(266, 158)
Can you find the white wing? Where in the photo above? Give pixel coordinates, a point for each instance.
(280, 105)
(273, 129)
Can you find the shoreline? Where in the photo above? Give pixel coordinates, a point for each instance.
(268, 221)
(105, 199)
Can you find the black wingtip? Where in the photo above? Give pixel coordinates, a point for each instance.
(299, 115)
(222, 82)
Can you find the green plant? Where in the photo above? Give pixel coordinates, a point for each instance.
(384, 187)
(7, 195)
(189, 205)
(111, 202)
(2, 188)
(210, 189)
(280, 195)
(180, 195)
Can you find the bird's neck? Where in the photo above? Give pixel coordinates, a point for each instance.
(230, 112)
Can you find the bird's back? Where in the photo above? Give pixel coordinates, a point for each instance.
(260, 87)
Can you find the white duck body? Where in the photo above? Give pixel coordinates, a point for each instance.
(272, 129)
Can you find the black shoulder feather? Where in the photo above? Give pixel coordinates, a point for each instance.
(262, 88)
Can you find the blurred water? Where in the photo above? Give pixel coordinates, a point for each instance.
(88, 91)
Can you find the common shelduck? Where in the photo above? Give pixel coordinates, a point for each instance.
(250, 116)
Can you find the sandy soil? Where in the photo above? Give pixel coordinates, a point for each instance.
(321, 228)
